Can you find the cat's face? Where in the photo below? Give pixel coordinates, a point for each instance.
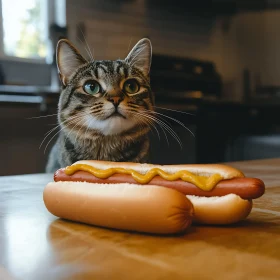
(107, 97)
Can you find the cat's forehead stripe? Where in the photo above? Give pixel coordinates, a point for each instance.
(103, 67)
(118, 68)
(125, 72)
(94, 73)
(100, 72)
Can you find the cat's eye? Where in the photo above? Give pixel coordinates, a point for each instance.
(91, 87)
(131, 86)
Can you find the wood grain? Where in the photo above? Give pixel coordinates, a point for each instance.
(36, 245)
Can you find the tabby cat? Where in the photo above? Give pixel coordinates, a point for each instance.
(104, 107)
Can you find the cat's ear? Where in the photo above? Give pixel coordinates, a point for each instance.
(141, 56)
(68, 59)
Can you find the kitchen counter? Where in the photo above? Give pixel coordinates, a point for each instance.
(36, 245)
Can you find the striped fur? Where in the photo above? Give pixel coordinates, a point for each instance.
(88, 128)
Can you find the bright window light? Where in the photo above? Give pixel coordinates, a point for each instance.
(25, 28)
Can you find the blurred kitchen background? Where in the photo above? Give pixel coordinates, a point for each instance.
(216, 61)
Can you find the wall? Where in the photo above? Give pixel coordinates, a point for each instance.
(247, 40)
(258, 40)
(251, 41)
(113, 27)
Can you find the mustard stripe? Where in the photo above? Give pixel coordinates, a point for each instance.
(202, 182)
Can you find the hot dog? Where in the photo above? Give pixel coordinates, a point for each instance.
(220, 194)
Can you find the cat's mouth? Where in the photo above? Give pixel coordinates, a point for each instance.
(115, 114)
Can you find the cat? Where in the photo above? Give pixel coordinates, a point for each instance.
(105, 107)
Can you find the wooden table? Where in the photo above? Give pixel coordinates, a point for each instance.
(36, 245)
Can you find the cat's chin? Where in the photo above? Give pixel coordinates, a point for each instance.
(111, 126)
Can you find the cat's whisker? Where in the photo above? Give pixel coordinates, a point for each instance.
(53, 129)
(61, 129)
(88, 48)
(159, 117)
(156, 121)
(151, 125)
(173, 110)
(50, 131)
(78, 133)
(147, 121)
(85, 138)
(85, 49)
(42, 117)
(81, 119)
(141, 120)
(175, 120)
(143, 124)
(52, 138)
(169, 129)
(79, 116)
(57, 125)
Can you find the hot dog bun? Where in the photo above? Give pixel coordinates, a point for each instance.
(150, 209)
(221, 210)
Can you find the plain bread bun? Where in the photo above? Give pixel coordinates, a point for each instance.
(132, 207)
(221, 210)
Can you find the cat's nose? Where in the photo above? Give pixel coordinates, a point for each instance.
(116, 100)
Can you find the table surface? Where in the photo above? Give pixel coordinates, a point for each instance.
(36, 245)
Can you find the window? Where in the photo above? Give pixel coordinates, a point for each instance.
(25, 28)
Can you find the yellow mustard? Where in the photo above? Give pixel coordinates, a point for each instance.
(202, 182)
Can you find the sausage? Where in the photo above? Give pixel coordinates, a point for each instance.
(246, 188)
